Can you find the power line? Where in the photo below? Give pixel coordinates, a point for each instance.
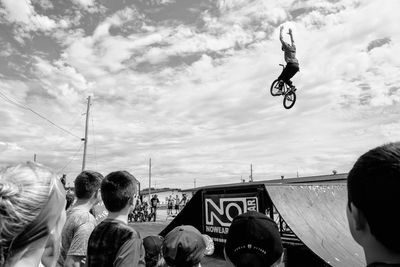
(16, 103)
(73, 157)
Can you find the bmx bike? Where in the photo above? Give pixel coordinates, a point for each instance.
(279, 87)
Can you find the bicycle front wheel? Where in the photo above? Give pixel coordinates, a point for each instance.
(289, 99)
(276, 88)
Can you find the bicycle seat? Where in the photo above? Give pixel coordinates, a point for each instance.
(282, 65)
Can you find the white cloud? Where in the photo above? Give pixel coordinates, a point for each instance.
(210, 116)
(84, 3)
(62, 81)
(26, 21)
(45, 4)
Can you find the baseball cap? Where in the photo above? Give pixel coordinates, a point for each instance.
(152, 245)
(253, 240)
(184, 246)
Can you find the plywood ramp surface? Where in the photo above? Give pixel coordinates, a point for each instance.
(317, 215)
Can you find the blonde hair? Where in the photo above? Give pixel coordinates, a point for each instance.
(24, 191)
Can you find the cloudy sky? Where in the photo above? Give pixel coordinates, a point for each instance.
(186, 82)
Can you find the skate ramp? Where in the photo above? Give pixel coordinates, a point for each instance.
(317, 216)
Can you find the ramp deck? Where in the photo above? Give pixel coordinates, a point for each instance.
(317, 216)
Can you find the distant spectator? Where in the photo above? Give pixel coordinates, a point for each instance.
(170, 203)
(70, 199)
(113, 242)
(152, 246)
(253, 241)
(183, 200)
(80, 222)
(154, 203)
(64, 180)
(373, 203)
(177, 202)
(184, 246)
(32, 214)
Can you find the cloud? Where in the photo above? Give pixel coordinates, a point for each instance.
(23, 13)
(194, 94)
(45, 4)
(25, 21)
(84, 3)
(378, 43)
(62, 81)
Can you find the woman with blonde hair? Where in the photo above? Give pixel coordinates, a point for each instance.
(32, 215)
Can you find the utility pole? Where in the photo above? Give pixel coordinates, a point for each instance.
(149, 179)
(194, 183)
(86, 135)
(34, 157)
(251, 172)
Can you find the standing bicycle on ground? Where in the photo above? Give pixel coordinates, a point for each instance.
(292, 64)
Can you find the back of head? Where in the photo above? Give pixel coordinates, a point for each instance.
(87, 183)
(152, 246)
(253, 240)
(117, 190)
(184, 246)
(32, 199)
(374, 188)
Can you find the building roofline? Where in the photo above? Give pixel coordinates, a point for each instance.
(317, 179)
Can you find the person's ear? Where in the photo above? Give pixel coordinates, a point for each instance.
(358, 216)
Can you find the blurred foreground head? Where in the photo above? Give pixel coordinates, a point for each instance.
(153, 255)
(374, 198)
(253, 241)
(32, 214)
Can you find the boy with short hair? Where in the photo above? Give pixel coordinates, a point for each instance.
(113, 242)
(374, 190)
(80, 222)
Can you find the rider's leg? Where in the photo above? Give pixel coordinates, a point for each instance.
(283, 75)
(291, 71)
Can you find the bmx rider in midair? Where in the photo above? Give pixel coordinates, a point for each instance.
(292, 64)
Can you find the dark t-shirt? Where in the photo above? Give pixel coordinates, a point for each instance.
(114, 243)
(154, 202)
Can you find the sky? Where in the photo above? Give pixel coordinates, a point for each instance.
(186, 83)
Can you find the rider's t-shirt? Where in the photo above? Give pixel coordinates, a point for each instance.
(290, 53)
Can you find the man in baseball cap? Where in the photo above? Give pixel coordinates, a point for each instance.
(185, 246)
(253, 241)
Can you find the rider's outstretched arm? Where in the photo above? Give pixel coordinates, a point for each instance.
(280, 35)
(291, 36)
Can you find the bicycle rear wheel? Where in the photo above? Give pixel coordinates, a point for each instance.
(289, 99)
(276, 88)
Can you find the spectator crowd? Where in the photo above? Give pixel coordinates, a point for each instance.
(41, 226)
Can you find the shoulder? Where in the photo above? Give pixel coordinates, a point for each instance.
(79, 217)
(117, 229)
